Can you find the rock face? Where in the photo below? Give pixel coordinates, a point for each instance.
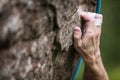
(36, 38)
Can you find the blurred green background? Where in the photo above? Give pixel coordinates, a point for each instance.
(110, 40)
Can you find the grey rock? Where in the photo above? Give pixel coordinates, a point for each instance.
(36, 38)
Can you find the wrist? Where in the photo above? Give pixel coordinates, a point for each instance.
(92, 58)
(96, 70)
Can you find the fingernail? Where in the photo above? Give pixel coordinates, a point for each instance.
(76, 29)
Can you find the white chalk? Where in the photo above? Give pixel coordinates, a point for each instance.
(98, 21)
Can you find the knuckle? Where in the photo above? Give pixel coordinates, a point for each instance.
(101, 16)
(97, 34)
(91, 34)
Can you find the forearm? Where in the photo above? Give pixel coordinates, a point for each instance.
(94, 69)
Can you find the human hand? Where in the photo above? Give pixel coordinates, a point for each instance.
(87, 44)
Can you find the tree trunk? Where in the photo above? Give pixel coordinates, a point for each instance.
(36, 38)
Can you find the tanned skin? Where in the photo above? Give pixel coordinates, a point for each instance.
(87, 45)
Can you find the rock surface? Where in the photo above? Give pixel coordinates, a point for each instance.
(36, 38)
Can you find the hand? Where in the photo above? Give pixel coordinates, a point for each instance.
(87, 44)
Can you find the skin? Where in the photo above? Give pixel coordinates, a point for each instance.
(87, 45)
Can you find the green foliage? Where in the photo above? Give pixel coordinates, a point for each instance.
(110, 45)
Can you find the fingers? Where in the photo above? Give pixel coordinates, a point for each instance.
(93, 22)
(87, 16)
(77, 36)
(87, 43)
(98, 19)
(92, 30)
(98, 23)
(92, 17)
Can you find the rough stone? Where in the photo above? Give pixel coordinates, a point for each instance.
(36, 38)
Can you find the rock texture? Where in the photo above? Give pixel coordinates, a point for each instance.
(36, 38)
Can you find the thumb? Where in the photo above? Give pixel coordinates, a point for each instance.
(77, 36)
